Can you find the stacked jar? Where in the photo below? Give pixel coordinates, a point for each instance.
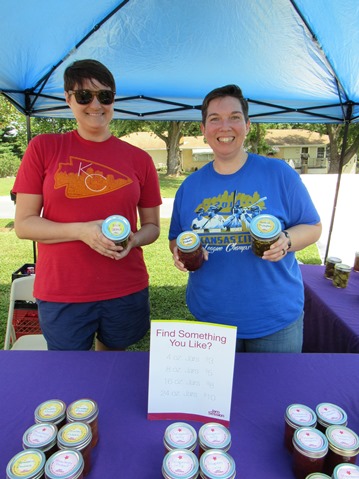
(343, 447)
(180, 464)
(28, 464)
(213, 436)
(296, 416)
(77, 436)
(217, 464)
(42, 437)
(180, 435)
(85, 410)
(65, 464)
(52, 411)
(310, 447)
(329, 414)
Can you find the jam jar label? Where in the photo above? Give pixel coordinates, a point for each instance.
(266, 226)
(346, 471)
(26, 464)
(343, 438)
(40, 435)
(215, 435)
(180, 464)
(63, 463)
(310, 439)
(74, 433)
(330, 412)
(217, 464)
(181, 435)
(82, 409)
(50, 409)
(300, 415)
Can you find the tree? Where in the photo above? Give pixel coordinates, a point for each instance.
(336, 134)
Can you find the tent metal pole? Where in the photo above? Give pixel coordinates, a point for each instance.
(28, 136)
(341, 161)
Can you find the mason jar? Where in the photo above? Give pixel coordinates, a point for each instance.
(329, 414)
(329, 266)
(310, 447)
(180, 435)
(78, 436)
(296, 416)
(85, 410)
(341, 275)
(51, 411)
(190, 251)
(117, 228)
(65, 464)
(213, 436)
(180, 464)
(42, 436)
(28, 464)
(264, 230)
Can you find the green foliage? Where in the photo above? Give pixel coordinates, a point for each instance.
(9, 164)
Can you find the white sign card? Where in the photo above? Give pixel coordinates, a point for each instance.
(191, 371)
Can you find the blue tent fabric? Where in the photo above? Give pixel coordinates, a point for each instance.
(295, 60)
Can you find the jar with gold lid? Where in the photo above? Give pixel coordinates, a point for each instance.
(180, 435)
(65, 464)
(310, 447)
(343, 447)
(190, 251)
(330, 263)
(42, 436)
(346, 471)
(213, 435)
(296, 416)
(329, 414)
(85, 410)
(180, 464)
(28, 464)
(341, 275)
(317, 475)
(51, 411)
(78, 436)
(264, 230)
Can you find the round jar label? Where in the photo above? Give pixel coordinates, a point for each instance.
(180, 464)
(74, 432)
(330, 412)
(266, 226)
(310, 439)
(40, 435)
(26, 464)
(346, 471)
(50, 410)
(82, 409)
(63, 463)
(300, 414)
(215, 435)
(343, 437)
(217, 464)
(181, 435)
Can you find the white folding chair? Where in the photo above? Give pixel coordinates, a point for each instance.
(22, 290)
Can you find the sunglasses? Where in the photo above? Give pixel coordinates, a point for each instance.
(85, 97)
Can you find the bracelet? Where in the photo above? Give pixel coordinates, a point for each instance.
(286, 234)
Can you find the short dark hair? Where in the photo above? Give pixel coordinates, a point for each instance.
(227, 90)
(81, 70)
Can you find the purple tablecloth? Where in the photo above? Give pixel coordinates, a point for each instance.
(131, 446)
(331, 322)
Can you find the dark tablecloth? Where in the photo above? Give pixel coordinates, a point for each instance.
(131, 446)
(331, 321)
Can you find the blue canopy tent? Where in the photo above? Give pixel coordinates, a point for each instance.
(295, 60)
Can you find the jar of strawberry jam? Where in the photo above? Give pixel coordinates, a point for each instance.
(78, 436)
(346, 471)
(215, 464)
(65, 464)
(296, 416)
(85, 410)
(213, 436)
(310, 447)
(51, 411)
(42, 437)
(317, 475)
(180, 435)
(190, 250)
(117, 228)
(27, 464)
(343, 447)
(330, 414)
(180, 464)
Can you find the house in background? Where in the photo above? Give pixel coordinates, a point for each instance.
(305, 150)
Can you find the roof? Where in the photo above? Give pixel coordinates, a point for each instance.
(295, 137)
(295, 60)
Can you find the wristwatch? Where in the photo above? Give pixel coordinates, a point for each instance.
(286, 234)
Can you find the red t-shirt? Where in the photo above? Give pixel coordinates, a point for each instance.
(82, 180)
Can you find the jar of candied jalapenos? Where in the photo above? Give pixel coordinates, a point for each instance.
(190, 250)
(343, 447)
(329, 266)
(117, 228)
(42, 437)
(27, 464)
(341, 275)
(264, 230)
(213, 436)
(85, 410)
(51, 411)
(65, 464)
(296, 416)
(310, 447)
(180, 464)
(330, 414)
(180, 435)
(78, 436)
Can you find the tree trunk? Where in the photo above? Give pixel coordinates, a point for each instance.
(173, 150)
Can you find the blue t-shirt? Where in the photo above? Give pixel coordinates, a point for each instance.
(235, 286)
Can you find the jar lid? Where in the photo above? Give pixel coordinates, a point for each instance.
(75, 435)
(28, 464)
(333, 259)
(82, 410)
(329, 414)
(188, 241)
(342, 267)
(265, 226)
(214, 436)
(53, 410)
(116, 228)
(346, 470)
(180, 464)
(64, 464)
(215, 464)
(310, 442)
(317, 475)
(180, 435)
(342, 440)
(298, 415)
(40, 436)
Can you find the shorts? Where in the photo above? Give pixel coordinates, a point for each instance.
(117, 323)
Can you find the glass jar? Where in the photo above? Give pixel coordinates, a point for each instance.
(264, 230)
(296, 416)
(180, 435)
(215, 464)
(341, 275)
(330, 414)
(317, 475)
(78, 436)
(180, 464)
(213, 436)
(343, 447)
(190, 250)
(117, 228)
(346, 471)
(42, 437)
(65, 464)
(329, 266)
(27, 464)
(51, 411)
(356, 262)
(310, 447)
(85, 410)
